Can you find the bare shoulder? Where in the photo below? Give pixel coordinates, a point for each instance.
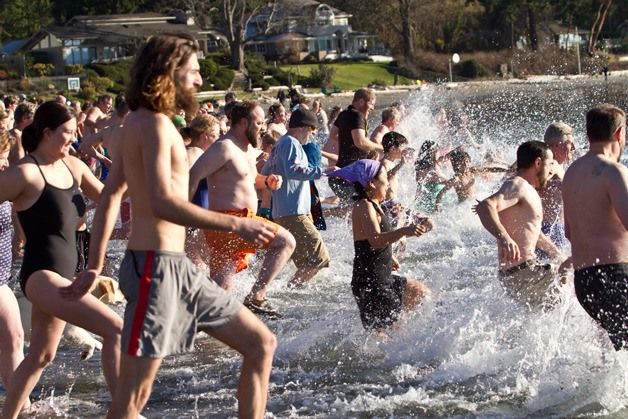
(150, 126)
(75, 164)
(388, 164)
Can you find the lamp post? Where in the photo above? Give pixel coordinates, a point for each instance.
(455, 59)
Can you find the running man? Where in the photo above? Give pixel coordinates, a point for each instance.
(229, 167)
(168, 298)
(595, 195)
(513, 216)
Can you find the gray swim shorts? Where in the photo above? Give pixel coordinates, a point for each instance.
(531, 283)
(169, 300)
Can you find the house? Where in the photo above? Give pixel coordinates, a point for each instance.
(568, 37)
(85, 39)
(296, 30)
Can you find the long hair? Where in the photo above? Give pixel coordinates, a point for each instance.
(153, 84)
(49, 115)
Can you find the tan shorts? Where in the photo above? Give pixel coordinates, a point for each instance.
(310, 250)
(531, 283)
(227, 247)
(169, 300)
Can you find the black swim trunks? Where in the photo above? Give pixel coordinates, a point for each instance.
(603, 293)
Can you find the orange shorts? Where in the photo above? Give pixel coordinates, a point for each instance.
(227, 247)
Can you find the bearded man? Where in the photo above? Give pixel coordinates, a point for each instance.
(513, 215)
(229, 167)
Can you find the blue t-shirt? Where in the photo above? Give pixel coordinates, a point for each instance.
(288, 160)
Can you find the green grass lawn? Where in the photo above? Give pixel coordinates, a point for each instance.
(352, 75)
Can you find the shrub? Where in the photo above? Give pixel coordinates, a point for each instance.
(102, 84)
(42, 69)
(473, 69)
(378, 83)
(223, 79)
(74, 69)
(87, 93)
(209, 68)
(322, 77)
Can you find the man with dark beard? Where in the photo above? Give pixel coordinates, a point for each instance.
(231, 173)
(169, 299)
(513, 215)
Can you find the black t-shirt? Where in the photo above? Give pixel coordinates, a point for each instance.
(347, 121)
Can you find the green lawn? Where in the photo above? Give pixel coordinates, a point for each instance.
(352, 75)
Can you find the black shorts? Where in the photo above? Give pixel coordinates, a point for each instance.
(380, 306)
(603, 293)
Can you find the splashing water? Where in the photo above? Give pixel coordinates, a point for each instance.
(468, 351)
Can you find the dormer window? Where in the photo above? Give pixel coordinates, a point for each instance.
(324, 15)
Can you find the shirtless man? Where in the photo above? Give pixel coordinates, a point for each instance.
(391, 118)
(169, 299)
(229, 167)
(595, 194)
(106, 138)
(513, 216)
(24, 113)
(559, 137)
(98, 115)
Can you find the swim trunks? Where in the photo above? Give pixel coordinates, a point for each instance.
(531, 283)
(603, 293)
(169, 300)
(227, 247)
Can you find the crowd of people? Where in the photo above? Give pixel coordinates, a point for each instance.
(199, 188)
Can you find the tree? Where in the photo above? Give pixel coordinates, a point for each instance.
(23, 18)
(596, 28)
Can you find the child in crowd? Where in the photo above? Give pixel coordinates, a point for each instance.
(380, 295)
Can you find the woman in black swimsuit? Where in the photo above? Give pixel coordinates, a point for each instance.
(380, 295)
(44, 188)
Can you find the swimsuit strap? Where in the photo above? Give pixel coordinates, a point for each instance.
(377, 207)
(40, 171)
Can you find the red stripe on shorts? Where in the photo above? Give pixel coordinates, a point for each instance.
(142, 302)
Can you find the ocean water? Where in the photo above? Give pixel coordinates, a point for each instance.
(467, 352)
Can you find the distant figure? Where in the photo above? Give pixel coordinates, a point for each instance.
(595, 193)
(513, 216)
(391, 118)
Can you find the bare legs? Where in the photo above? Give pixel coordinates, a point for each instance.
(11, 336)
(47, 327)
(414, 295)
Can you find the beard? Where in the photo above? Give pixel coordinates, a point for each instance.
(252, 136)
(542, 182)
(185, 100)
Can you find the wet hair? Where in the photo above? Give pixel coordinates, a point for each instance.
(364, 93)
(273, 109)
(242, 110)
(393, 139)
(603, 121)
(529, 151)
(427, 156)
(153, 76)
(121, 106)
(199, 125)
(49, 115)
(390, 114)
(457, 157)
(86, 105)
(333, 113)
(103, 98)
(556, 132)
(6, 140)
